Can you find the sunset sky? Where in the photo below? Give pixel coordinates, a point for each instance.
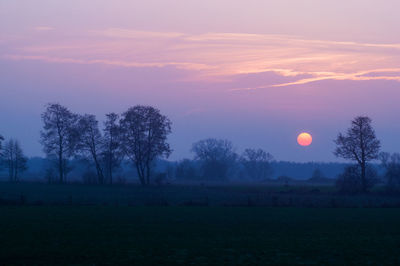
(255, 72)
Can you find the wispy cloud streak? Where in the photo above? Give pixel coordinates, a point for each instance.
(222, 55)
(43, 28)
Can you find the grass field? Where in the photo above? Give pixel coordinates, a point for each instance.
(190, 195)
(75, 224)
(101, 235)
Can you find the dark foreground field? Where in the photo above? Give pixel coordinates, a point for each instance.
(195, 225)
(100, 235)
(228, 195)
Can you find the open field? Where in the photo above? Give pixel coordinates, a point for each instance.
(299, 195)
(195, 225)
(101, 235)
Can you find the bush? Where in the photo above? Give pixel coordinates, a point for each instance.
(317, 176)
(160, 179)
(350, 180)
(89, 177)
(50, 176)
(392, 177)
(391, 163)
(186, 170)
(284, 180)
(120, 180)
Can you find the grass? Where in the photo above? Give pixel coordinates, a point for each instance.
(181, 195)
(101, 235)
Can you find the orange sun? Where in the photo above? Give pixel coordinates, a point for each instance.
(304, 139)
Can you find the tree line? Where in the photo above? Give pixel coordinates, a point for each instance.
(217, 160)
(139, 135)
(358, 144)
(13, 158)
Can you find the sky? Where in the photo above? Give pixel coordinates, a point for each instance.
(256, 72)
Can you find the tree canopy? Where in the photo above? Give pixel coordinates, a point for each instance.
(359, 144)
(59, 136)
(144, 132)
(217, 156)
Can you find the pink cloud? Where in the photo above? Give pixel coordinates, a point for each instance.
(221, 56)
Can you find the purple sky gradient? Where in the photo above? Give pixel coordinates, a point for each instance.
(255, 72)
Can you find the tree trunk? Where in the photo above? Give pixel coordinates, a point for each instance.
(99, 171)
(140, 174)
(16, 169)
(11, 171)
(363, 177)
(147, 173)
(60, 167)
(110, 170)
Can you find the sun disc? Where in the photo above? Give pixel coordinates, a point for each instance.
(304, 139)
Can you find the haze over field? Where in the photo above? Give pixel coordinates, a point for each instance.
(255, 72)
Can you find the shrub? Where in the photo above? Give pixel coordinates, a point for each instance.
(186, 170)
(350, 180)
(391, 163)
(89, 177)
(160, 179)
(284, 180)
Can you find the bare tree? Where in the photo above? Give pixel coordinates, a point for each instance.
(257, 163)
(8, 158)
(90, 142)
(359, 144)
(144, 134)
(112, 154)
(59, 136)
(217, 157)
(15, 160)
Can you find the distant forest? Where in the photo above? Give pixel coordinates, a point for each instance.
(37, 167)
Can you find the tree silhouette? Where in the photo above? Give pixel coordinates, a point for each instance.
(257, 163)
(59, 136)
(216, 157)
(15, 160)
(359, 144)
(90, 142)
(144, 134)
(111, 145)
